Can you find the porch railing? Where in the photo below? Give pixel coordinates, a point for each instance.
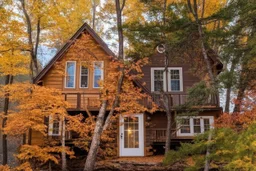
(179, 99)
(80, 101)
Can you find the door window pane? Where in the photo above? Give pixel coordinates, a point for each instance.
(131, 132)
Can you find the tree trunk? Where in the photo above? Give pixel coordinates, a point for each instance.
(93, 13)
(243, 83)
(207, 161)
(229, 86)
(33, 50)
(194, 11)
(239, 99)
(120, 29)
(120, 57)
(8, 81)
(63, 153)
(168, 131)
(91, 158)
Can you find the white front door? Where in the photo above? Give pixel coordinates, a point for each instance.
(131, 136)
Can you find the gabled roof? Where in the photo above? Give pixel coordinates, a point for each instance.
(84, 27)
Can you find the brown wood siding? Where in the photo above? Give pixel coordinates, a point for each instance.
(37, 138)
(157, 60)
(157, 123)
(55, 77)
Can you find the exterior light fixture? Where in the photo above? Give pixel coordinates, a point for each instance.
(160, 48)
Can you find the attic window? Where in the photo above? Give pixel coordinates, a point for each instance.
(97, 73)
(84, 75)
(70, 74)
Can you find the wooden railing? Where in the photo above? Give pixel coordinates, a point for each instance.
(158, 134)
(178, 99)
(82, 101)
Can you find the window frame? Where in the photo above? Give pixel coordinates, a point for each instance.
(153, 81)
(102, 74)
(80, 75)
(50, 127)
(74, 75)
(191, 124)
(168, 79)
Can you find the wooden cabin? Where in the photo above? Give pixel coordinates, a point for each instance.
(135, 137)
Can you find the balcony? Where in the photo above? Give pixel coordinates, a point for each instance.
(91, 101)
(176, 100)
(82, 101)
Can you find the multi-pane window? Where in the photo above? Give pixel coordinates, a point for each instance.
(175, 79)
(185, 126)
(56, 127)
(97, 74)
(70, 74)
(189, 126)
(197, 125)
(206, 124)
(158, 80)
(84, 75)
(131, 132)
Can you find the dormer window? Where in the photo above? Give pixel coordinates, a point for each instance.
(174, 78)
(70, 74)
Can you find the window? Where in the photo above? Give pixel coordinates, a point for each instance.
(54, 127)
(175, 83)
(185, 126)
(97, 74)
(197, 125)
(84, 75)
(207, 124)
(70, 74)
(158, 79)
(190, 126)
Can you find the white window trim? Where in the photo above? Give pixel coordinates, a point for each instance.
(152, 78)
(169, 79)
(191, 124)
(81, 75)
(50, 127)
(102, 75)
(66, 74)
